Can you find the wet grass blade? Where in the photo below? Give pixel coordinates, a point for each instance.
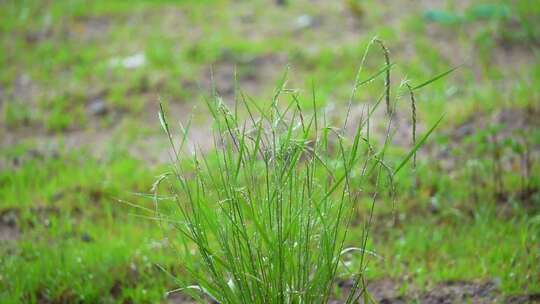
(441, 75)
(417, 146)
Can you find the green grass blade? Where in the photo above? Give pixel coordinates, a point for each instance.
(417, 146)
(439, 76)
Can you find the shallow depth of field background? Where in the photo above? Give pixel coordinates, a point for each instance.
(79, 133)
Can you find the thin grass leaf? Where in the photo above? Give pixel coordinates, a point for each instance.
(417, 146)
(437, 77)
(377, 74)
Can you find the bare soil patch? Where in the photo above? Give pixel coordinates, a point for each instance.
(8, 227)
(387, 291)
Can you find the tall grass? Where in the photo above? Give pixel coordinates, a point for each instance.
(269, 209)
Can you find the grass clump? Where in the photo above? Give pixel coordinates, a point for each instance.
(269, 215)
(268, 210)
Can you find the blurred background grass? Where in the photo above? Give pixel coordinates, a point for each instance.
(79, 85)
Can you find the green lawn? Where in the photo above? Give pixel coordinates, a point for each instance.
(80, 139)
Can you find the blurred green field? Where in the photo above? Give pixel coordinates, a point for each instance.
(80, 136)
